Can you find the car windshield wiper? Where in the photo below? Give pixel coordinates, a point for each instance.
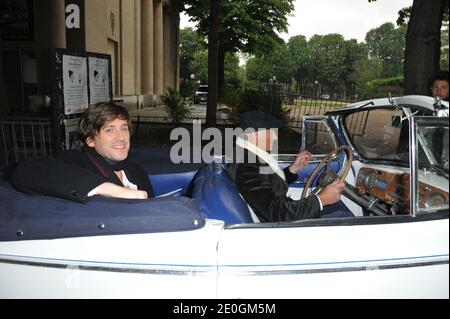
(438, 170)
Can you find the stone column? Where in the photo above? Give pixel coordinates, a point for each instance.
(176, 47)
(137, 48)
(57, 20)
(158, 48)
(147, 49)
(51, 17)
(168, 53)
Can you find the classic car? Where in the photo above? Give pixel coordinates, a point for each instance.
(202, 241)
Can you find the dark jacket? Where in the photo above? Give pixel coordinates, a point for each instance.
(267, 194)
(73, 175)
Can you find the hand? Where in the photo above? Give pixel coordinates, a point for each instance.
(116, 191)
(332, 193)
(300, 162)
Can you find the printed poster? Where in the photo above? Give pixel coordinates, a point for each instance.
(99, 80)
(75, 84)
(71, 133)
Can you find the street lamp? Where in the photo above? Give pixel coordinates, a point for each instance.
(193, 88)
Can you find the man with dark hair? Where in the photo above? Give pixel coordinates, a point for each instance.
(439, 85)
(101, 168)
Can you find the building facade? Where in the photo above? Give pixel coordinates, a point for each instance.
(142, 37)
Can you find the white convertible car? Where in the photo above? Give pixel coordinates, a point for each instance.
(203, 242)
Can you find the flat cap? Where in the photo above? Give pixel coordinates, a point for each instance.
(258, 120)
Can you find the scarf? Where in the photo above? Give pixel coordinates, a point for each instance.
(105, 166)
(263, 155)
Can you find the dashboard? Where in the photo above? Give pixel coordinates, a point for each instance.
(393, 189)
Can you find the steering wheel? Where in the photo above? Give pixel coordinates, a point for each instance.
(329, 176)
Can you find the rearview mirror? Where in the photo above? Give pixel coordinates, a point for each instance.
(397, 121)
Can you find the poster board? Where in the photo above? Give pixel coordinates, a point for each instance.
(79, 80)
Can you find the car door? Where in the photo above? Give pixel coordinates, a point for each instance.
(394, 256)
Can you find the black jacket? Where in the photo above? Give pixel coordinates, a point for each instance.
(73, 175)
(267, 194)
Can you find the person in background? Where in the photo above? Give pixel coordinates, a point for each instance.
(439, 85)
(100, 168)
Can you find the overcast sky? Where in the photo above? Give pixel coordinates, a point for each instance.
(351, 18)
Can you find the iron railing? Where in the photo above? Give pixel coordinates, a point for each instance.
(22, 138)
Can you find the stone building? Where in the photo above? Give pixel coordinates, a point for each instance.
(142, 37)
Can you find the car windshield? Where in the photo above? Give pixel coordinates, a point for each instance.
(203, 89)
(383, 134)
(433, 148)
(432, 160)
(379, 134)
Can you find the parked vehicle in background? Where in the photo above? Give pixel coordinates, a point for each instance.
(201, 94)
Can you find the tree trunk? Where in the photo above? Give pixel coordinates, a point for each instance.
(213, 65)
(423, 45)
(221, 71)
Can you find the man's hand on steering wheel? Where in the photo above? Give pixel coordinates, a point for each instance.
(332, 193)
(330, 184)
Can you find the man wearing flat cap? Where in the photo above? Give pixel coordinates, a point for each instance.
(264, 185)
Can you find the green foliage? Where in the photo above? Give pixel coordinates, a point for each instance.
(194, 61)
(247, 26)
(387, 44)
(179, 106)
(327, 59)
(190, 44)
(384, 87)
(299, 54)
(365, 72)
(276, 67)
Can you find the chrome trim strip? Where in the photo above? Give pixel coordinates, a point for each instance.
(413, 160)
(131, 270)
(223, 270)
(328, 270)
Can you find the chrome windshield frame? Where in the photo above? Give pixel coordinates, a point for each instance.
(414, 139)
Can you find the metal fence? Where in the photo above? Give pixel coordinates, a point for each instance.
(303, 105)
(21, 138)
(25, 137)
(295, 105)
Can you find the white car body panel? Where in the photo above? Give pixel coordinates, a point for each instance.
(336, 262)
(165, 265)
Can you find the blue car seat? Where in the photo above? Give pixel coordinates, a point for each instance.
(218, 197)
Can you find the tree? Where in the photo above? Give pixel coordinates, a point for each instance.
(354, 53)
(193, 61)
(387, 44)
(272, 67)
(365, 72)
(299, 55)
(423, 43)
(213, 63)
(191, 43)
(444, 42)
(327, 58)
(246, 26)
